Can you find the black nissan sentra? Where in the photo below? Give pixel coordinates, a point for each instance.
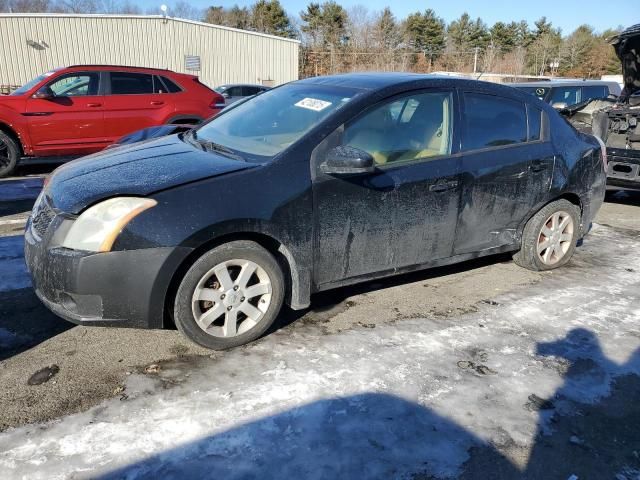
(314, 185)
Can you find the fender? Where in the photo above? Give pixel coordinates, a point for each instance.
(12, 120)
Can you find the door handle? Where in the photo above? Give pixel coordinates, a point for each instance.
(94, 105)
(157, 103)
(443, 186)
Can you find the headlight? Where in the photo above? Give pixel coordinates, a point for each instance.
(97, 228)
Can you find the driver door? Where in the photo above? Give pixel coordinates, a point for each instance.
(405, 212)
(70, 120)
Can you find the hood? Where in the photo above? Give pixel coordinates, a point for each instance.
(627, 47)
(140, 169)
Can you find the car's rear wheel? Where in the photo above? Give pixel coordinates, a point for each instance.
(230, 296)
(9, 153)
(550, 236)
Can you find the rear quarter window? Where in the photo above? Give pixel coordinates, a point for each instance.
(171, 86)
(491, 121)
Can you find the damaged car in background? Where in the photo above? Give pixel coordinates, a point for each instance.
(617, 121)
(310, 186)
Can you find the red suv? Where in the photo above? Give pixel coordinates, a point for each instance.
(82, 109)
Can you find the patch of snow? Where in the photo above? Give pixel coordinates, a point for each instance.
(386, 402)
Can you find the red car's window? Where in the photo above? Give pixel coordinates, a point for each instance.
(124, 83)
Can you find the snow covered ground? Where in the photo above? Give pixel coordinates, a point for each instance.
(412, 397)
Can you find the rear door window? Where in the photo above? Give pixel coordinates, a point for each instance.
(125, 83)
(491, 121)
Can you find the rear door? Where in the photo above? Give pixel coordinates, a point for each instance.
(134, 101)
(405, 212)
(507, 165)
(71, 121)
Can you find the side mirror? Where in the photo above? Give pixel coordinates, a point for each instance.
(45, 93)
(226, 95)
(346, 160)
(559, 105)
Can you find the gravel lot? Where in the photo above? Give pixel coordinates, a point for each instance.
(460, 350)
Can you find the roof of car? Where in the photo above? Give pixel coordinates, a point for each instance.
(370, 80)
(378, 81)
(121, 67)
(564, 83)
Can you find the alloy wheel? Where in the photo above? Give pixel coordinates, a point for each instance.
(555, 237)
(5, 159)
(231, 298)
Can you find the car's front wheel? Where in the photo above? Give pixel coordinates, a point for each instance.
(230, 296)
(9, 153)
(550, 237)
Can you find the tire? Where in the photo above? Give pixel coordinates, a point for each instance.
(9, 154)
(207, 301)
(541, 231)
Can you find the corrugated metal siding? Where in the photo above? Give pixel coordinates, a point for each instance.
(33, 44)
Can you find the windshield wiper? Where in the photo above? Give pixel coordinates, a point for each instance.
(215, 147)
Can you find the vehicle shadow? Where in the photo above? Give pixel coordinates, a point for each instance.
(327, 302)
(24, 321)
(376, 435)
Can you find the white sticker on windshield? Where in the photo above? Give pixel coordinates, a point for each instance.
(313, 104)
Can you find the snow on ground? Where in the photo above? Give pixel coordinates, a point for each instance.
(13, 271)
(385, 402)
(20, 189)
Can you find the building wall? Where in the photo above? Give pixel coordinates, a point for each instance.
(33, 44)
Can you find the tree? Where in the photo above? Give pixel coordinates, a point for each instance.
(325, 24)
(235, 17)
(386, 31)
(425, 32)
(24, 6)
(182, 9)
(466, 34)
(268, 16)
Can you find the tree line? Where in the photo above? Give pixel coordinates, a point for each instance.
(335, 39)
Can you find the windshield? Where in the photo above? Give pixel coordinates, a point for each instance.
(31, 83)
(262, 127)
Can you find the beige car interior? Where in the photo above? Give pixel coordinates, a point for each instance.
(412, 128)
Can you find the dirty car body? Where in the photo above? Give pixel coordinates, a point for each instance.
(617, 121)
(468, 193)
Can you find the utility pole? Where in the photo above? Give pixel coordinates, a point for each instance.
(475, 59)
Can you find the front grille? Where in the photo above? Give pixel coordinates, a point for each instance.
(41, 217)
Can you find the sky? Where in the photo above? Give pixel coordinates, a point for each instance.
(567, 14)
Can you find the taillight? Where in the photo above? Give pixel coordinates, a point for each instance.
(218, 102)
(603, 152)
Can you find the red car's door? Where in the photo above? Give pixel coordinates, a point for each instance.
(69, 120)
(132, 102)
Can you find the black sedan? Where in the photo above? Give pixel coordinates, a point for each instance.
(310, 186)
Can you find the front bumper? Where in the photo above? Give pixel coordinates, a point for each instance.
(624, 168)
(123, 288)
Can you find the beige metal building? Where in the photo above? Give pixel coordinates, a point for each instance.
(31, 44)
